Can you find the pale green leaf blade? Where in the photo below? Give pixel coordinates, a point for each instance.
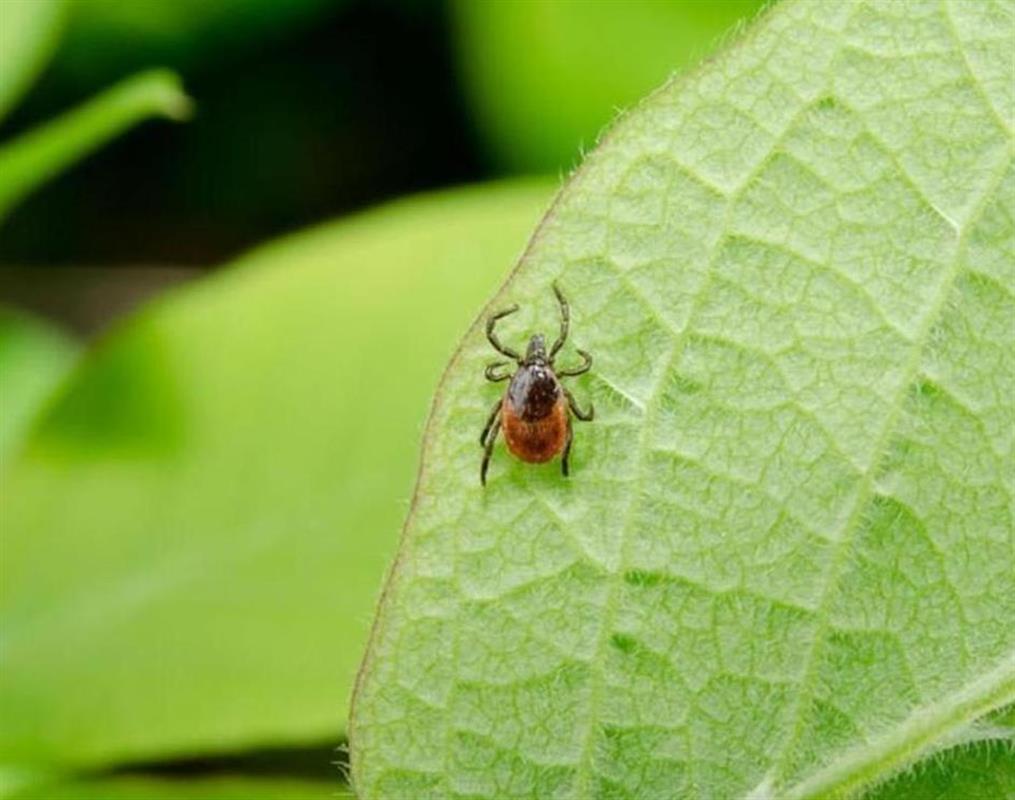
(34, 157)
(28, 34)
(34, 357)
(195, 535)
(783, 565)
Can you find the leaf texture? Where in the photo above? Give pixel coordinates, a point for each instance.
(783, 565)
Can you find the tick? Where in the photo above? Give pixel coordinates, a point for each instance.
(535, 411)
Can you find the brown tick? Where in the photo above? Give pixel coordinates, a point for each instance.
(534, 411)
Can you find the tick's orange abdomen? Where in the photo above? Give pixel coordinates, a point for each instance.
(535, 413)
(538, 440)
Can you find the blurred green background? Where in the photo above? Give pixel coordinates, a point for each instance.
(203, 469)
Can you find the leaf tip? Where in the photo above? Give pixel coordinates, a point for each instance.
(161, 90)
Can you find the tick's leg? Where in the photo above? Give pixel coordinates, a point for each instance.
(567, 449)
(489, 422)
(493, 337)
(585, 367)
(488, 451)
(493, 375)
(584, 416)
(565, 322)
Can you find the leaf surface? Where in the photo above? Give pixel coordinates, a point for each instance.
(783, 565)
(194, 535)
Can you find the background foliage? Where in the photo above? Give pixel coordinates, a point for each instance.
(200, 496)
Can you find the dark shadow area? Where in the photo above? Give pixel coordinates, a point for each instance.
(325, 762)
(357, 106)
(87, 299)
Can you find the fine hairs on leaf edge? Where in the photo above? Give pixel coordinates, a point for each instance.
(883, 759)
(732, 39)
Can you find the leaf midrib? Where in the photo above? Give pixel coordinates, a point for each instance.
(864, 494)
(584, 768)
(866, 490)
(919, 341)
(923, 728)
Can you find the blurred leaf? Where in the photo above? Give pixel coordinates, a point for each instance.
(784, 563)
(130, 787)
(545, 77)
(109, 37)
(15, 780)
(34, 356)
(36, 156)
(28, 34)
(195, 535)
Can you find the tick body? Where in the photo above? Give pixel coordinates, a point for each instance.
(535, 411)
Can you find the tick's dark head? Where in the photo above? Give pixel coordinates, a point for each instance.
(536, 353)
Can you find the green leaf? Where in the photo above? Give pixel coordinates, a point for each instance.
(582, 60)
(783, 564)
(984, 772)
(131, 787)
(28, 34)
(195, 534)
(36, 156)
(34, 357)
